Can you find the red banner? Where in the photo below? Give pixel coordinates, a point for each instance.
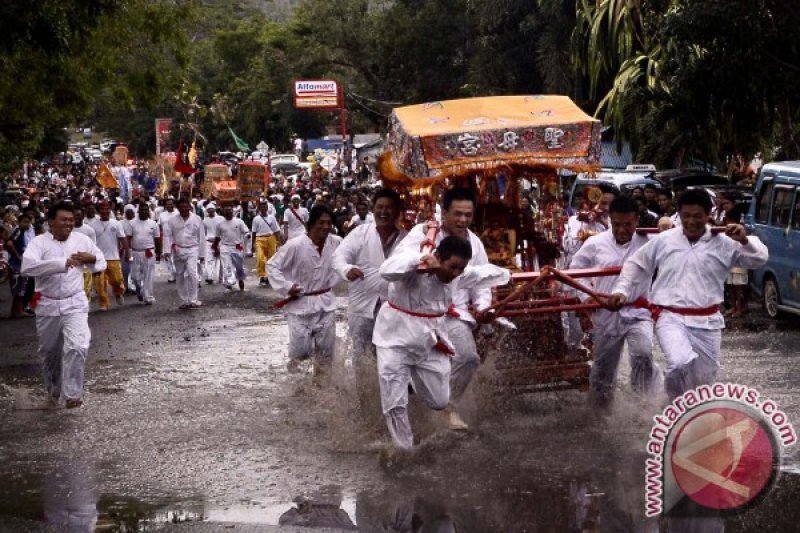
(163, 126)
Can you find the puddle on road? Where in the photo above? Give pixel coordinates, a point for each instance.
(68, 496)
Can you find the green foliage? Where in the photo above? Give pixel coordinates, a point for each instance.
(694, 80)
(58, 56)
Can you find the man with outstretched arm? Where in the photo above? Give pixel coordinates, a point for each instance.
(302, 271)
(692, 264)
(411, 333)
(56, 260)
(631, 325)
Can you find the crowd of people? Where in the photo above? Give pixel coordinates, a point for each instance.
(417, 295)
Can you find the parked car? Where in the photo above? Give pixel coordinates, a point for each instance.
(624, 180)
(106, 145)
(679, 179)
(288, 163)
(774, 217)
(95, 155)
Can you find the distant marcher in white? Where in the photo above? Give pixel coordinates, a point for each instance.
(184, 244)
(229, 246)
(56, 260)
(143, 240)
(294, 219)
(210, 222)
(163, 217)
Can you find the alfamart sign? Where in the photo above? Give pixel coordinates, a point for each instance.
(317, 94)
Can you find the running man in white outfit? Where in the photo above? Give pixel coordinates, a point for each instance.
(302, 271)
(144, 241)
(690, 265)
(56, 260)
(458, 210)
(358, 260)
(411, 334)
(632, 326)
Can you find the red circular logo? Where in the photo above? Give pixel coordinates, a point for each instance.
(723, 458)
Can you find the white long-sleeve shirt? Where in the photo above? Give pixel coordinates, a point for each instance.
(298, 261)
(61, 288)
(600, 251)
(480, 297)
(690, 275)
(356, 221)
(185, 234)
(363, 249)
(423, 293)
(572, 243)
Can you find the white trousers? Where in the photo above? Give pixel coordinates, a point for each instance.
(692, 354)
(312, 333)
(638, 334)
(185, 260)
(232, 266)
(397, 367)
(63, 345)
(170, 264)
(360, 328)
(466, 361)
(211, 264)
(142, 270)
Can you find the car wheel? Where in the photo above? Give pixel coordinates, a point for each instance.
(771, 298)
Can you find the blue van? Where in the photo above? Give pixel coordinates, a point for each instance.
(774, 217)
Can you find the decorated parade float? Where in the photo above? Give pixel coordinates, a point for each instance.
(498, 146)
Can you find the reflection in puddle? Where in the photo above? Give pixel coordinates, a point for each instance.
(71, 501)
(70, 498)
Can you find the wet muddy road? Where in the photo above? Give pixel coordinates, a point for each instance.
(192, 423)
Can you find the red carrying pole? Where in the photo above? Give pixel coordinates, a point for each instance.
(550, 309)
(577, 273)
(649, 231)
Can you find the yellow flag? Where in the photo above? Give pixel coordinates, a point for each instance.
(163, 187)
(105, 178)
(193, 154)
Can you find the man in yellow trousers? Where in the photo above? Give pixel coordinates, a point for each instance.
(110, 237)
(266, 232)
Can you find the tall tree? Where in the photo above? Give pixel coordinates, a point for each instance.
(59, 55)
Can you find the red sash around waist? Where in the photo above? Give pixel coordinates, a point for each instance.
(451, 311)
(655, 310)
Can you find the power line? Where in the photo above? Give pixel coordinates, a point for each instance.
(384, 102)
